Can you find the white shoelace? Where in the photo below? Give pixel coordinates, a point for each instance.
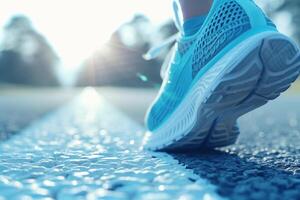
(156, 50)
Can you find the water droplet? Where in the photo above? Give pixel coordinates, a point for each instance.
(131, 142)
(161, 188)
(48, 183)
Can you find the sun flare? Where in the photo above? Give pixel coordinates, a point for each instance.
(75, 29)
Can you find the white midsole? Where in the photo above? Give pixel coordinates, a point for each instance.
(184, 117)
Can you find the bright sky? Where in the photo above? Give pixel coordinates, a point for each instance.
(75, 28)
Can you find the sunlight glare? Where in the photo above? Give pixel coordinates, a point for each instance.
(90, 98)
(75, 29)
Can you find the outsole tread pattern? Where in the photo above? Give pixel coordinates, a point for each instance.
(274, 80)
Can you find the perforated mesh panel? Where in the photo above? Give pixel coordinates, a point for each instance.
(184, 46)
(229, 22)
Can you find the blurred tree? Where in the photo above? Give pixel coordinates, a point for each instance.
(26, 57)
(291, 7)
(120, 62)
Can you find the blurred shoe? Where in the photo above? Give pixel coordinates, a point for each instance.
(236, 62)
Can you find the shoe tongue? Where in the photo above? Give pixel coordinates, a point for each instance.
(191, 26)
(187, 27)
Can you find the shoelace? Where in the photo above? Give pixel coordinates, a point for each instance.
(156, 50)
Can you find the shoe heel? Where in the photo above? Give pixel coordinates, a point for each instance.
(277, 64)
(281, 60)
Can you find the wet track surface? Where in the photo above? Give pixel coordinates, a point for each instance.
(265, 162)
(89, 150)
(104, 162)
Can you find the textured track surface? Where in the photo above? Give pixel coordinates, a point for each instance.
(262, 75)
(265, 161)
(89, 150)
(264, 164)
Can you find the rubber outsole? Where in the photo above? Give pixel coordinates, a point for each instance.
(277, 61)
(261, 75)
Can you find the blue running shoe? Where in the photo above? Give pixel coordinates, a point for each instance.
(235, 63)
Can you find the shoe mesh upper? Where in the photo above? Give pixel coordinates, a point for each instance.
(228, 22)
(183, 47)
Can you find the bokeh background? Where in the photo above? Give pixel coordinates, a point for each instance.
(51, 49)
(95, 43)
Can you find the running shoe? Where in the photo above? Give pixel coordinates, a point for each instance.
(236, 62)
